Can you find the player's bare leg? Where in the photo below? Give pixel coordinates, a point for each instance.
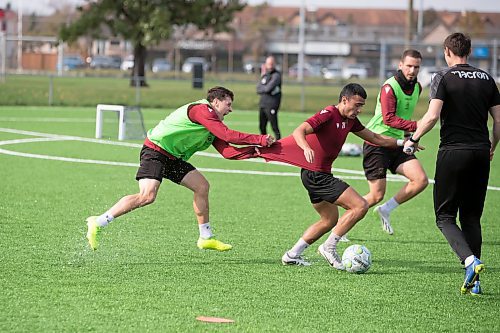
(148, 189)
(417, 177)
(356, 208)
(197, 183)
(418, 181)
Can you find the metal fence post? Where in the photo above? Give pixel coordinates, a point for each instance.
(137, 90)
(3, 50)
(383, 61)
(51, 88)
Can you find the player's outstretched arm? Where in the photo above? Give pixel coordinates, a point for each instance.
(424, 125)
(234, 153)
(378, 139)
(382, 140)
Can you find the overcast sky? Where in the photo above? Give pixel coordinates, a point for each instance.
(46, 6)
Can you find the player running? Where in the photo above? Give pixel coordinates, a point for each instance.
(395, 106)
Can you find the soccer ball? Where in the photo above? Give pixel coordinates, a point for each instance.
(351, 149)
(357, 259)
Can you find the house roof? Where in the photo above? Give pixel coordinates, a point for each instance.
(354, 16)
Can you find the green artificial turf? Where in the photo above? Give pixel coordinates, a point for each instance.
(149, 276)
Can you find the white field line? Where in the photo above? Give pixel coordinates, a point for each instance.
(111, 121)
(55, 137)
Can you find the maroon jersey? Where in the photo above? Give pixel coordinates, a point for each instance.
(330, 132)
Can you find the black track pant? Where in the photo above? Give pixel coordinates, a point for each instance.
(269, 114)
(460, 188)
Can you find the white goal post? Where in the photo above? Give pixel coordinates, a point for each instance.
(130, 121)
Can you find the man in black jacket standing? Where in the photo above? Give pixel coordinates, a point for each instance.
(269, 89)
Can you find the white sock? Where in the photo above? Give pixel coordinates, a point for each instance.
(332, 240)
(298, 248)
(390, 205)
(104, 219)
(469, 260)
(205, 230)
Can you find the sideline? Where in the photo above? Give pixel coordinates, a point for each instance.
(45, 137)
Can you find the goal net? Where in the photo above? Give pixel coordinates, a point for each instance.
(129, 119)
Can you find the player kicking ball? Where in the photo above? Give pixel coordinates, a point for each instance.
(313, 146)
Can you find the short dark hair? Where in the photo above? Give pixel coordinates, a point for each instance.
(459, 44)
(352, 89)
(412, 54)
(220, 93)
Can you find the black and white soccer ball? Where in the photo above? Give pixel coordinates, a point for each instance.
(357, 259)
(351, 149)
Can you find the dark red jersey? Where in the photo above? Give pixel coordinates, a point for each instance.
(330, 132)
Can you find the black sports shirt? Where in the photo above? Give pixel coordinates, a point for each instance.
(467, 94)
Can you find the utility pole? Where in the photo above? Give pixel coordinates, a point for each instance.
(409, 24)
(300, 64)
(420, 21)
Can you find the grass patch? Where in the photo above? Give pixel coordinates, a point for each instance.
(148, 274)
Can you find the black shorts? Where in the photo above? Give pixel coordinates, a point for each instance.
(376, 160)
(155, 165)
(322, 186)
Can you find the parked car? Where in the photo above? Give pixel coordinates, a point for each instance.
(71, 62)
(116, 62)
(354, 71)
(102, 62)
(127, 63)
(309, 70)
(187, 66)
(332, 71)
(161, 65)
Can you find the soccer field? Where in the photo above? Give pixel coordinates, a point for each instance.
(148, 274)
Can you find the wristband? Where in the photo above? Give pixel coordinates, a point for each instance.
(411, 139)
(400, 142)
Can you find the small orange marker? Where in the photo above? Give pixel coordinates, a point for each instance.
(214, 319)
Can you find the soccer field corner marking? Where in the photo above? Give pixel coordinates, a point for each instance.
(46, 137)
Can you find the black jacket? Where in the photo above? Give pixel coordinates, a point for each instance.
(269, 89)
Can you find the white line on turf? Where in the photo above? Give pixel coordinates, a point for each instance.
(57, 137)
(108, 120)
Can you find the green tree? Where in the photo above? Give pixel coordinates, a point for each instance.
(147, 22)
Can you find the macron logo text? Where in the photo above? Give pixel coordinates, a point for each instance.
(471, 75)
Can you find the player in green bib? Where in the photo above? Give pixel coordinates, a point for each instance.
(167, 148)
(395, 105)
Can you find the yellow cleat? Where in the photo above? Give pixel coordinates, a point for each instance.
(92, 231)
(212, 244)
